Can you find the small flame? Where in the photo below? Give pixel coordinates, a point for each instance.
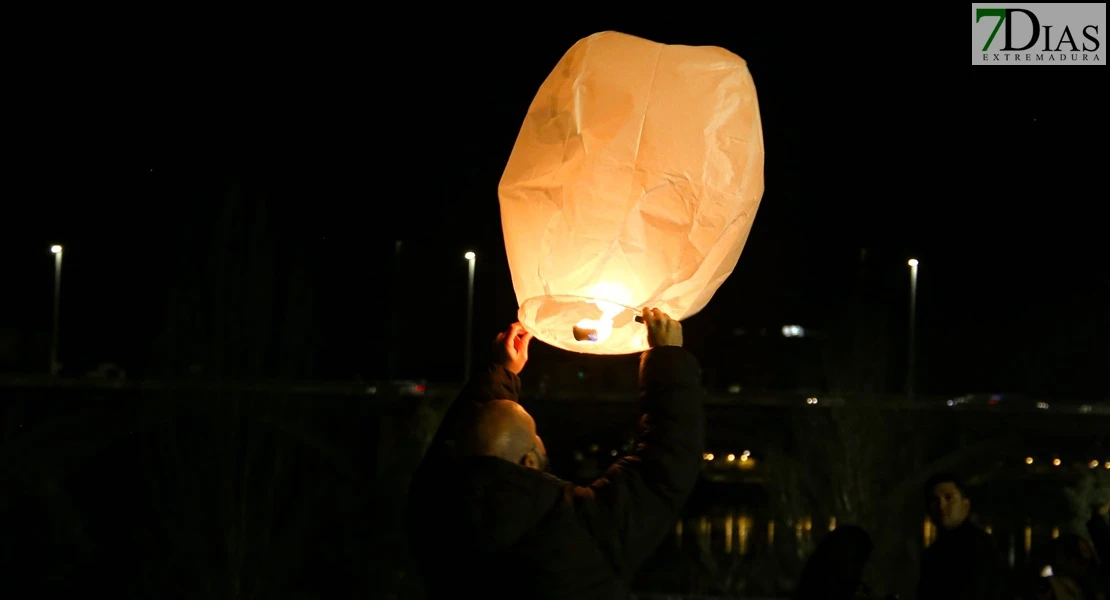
(608, 297)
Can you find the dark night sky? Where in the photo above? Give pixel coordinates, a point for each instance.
(993, 179)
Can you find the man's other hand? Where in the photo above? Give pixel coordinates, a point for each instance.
(662, 329)
(510, 350)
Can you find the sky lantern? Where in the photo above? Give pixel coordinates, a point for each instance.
(633, 183)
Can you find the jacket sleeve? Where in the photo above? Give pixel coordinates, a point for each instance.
(631, 508)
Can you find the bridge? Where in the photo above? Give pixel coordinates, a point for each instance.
(572, 423)
(1075, 433)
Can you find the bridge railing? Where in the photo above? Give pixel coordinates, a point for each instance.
(388, 390)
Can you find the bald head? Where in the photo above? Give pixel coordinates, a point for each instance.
(503, 429)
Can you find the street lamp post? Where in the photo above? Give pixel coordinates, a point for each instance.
(470, 257)
(913, 328)
(57, 251)
(394, 293)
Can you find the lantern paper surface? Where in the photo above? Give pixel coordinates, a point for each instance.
(633, 183)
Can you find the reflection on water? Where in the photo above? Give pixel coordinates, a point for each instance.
(741, 528)
(736, 533)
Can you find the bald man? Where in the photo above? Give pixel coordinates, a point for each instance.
(486, 519)
(503, 429)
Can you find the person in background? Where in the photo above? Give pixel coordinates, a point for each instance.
(486, 521)
(1098, 527)
(1074, 572)
(962, 564)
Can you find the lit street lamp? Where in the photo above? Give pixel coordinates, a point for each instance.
(913, 327)
(469, 256)
(57, 251)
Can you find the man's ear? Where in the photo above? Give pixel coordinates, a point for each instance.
(529, 460)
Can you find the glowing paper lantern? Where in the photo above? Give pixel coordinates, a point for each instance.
(633, 182)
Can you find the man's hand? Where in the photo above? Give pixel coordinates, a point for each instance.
(510, 350)
(662, 329)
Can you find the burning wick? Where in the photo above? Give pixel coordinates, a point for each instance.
(611, 299)
(582, 334)
(585, 334)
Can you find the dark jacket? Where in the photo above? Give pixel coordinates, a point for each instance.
(483, 527)
(1099, 530)
(963, 564)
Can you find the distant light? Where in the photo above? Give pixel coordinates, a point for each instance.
(1107, 465)
(1056, 462)
(747, 453)
(1028, 460)
(612, 453)
(912, 262)
(730, 457)
(745, 458)
(811, 400)
(56, 249)
(792, 331)
(1094, 464)
(708, 456)
(1042, 405)
(469, 256)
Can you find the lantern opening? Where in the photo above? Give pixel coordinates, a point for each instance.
(581, 322)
